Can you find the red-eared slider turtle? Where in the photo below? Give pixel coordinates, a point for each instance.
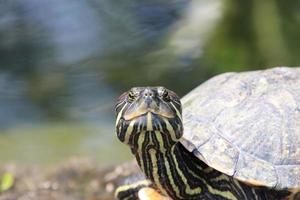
(241, 137)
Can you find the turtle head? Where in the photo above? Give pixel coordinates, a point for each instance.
(150, 114)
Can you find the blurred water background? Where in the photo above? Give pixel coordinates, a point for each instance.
(63, 63)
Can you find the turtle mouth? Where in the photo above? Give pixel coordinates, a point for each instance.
(161, 111)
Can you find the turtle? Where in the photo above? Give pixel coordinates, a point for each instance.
(234, 137)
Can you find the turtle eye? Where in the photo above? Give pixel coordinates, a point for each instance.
(165, 95)
(131, 96)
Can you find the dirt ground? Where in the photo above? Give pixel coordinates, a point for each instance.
(77, 179)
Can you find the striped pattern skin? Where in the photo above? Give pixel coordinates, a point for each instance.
(154, 140)
(130, 191)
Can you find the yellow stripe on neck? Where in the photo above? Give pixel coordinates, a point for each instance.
(129, 131)
(149, 122)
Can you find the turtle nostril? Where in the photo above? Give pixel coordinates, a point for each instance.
(148, 94)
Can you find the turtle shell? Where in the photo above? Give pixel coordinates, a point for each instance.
(247, 125)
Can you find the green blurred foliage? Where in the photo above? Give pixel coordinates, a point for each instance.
(255, 35)
(7, 181)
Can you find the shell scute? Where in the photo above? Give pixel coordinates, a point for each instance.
(256, 171)
(219, 153)
(288, 176)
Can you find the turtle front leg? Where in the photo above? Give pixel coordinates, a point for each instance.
(149, 193)
(130, 189)
(140, 190)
